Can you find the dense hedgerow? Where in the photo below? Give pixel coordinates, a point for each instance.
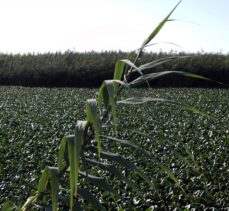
(89, 69)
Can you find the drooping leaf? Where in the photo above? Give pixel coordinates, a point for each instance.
(159, 62)
(103, 97)
(110, 89)
(54, 181)
(142, 100)
(133, 68)
(108, 97)
(157, 43)
(193, 75)
(127, 164)
(62, 155)
(78, 142)
(74, 149)
(152, 76)
(112, 170)
(119, 68)
(93, 118)
(126, 142)
(86, 195)
(43, 180)
(131, 64)
(70, 141)
(195, 110)
(99, 182)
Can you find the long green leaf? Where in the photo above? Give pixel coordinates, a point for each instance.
(152, 76)
(127, 143)
(142, 100)
(70, 141)
(54, 181)
(103, 97)
(158, 28)
(62, 158)
(78, 142)
(99, 182)
(43, 180)
(93, 118)
(112, 170)
(159, 62)
(127, 164)
(155, 32)
(119, 68)
(86, 195)
(111, 93)
(157, 43)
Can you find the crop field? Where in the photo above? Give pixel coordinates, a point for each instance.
(192, 147)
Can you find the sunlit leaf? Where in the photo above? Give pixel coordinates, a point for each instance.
(93, 118)
(54, 181)
(43, 180)
(78, 142)
(118, 73)
(62, 155)
(110, 89)
(103, 97)
(156, 31)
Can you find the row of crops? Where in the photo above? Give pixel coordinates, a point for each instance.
(89, 69)
(192, 148)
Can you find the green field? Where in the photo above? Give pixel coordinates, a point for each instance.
(194, 148)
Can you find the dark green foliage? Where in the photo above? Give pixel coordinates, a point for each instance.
(193, 147)
(72, 69)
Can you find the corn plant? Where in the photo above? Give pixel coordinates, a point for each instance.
(81, 156)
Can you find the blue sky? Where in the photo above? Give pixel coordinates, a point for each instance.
(85, 25)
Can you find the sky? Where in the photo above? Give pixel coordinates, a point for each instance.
(39, 26)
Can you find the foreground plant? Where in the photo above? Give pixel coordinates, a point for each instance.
(81, 160)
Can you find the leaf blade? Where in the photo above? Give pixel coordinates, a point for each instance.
(85, 194)
(92, 117)
(54, 181)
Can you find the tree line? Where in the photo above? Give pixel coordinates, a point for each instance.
(89, 69)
